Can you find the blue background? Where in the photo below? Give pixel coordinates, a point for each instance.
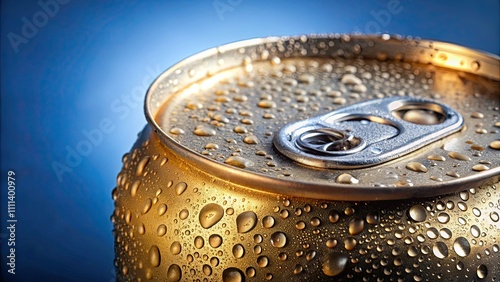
(91, 62)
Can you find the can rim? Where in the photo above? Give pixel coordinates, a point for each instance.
(490, 64)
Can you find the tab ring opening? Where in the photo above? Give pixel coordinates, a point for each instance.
(329, 141)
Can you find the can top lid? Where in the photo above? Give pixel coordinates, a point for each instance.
(335, 116)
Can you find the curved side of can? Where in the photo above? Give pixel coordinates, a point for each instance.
(176, 221)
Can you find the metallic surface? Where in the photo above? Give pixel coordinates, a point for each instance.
(376, 134)
(203, 195)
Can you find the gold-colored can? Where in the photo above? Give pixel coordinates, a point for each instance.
(316, 158)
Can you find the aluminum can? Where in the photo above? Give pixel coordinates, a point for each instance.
(316, 158)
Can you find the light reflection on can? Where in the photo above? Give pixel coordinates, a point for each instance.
(217, 189)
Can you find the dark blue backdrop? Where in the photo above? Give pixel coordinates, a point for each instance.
(73, 78)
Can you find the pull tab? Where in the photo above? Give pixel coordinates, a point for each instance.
(367, 133)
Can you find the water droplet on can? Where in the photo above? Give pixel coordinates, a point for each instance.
(210, 214)
(461, 247)
(421, 117)
(356, 226)
(480, 167)
(278, 239)
(417, 213)
(238, 251)
(161, 230)
(141, 165)
(238, 161)
(215, 240)
(154, 256)
(174, 273)
(416, 166)
(346, 179)
(482, 271)
(458, 156)
(199, 242)
(180, 188)
(175, 248)
(334, 263)
(262, 261)
(204, 130)
(440, 250)
(268, 221)
(246, 221)
(495, 145)
(232, 275)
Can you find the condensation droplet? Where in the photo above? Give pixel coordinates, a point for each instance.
(267, 104)
(417, 167)
(432, 233)
(421, 117)
(174, 273)
(175, 248)
(161, 230)
(180, 188)
(135, 186)
(162, 208)
(210, 214)
(440, 250)
(476, 212)
(333, 216)
(300, 225)
(350, 243)
(204, 130)
(262, 261)
(154, 256)
(346, 179)
(443, 217)
(278, 239)
(445, 233)
(495, 145)
(238, 161)
(351, 79)
(238, 251)
(436, 158)
(142, 165)
(458, 156)
(268, 221)
(147, 206)
(356, 226)
(246, 221)
(482, 271)
(183, 214)
(199, 242)
(494, 216)
(177, 131)
(461, 247)
(334, 263)
(417, 213)
(215, 240)
(298, 269)
(331, 243)
(480, 167)
(232, 275)
(207, 270)
(453, 174)
(373, 218)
